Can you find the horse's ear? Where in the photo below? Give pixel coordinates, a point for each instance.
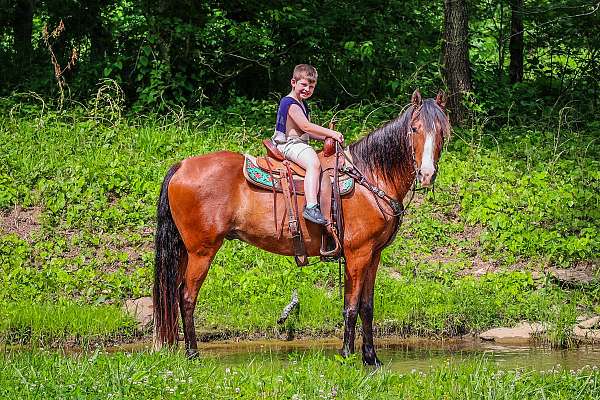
(416, 99)
(440, 99)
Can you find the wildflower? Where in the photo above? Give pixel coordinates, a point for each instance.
(333, 391)
(237, 389)
(227, 370)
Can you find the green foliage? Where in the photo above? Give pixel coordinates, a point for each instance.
(181, 53)
(541, 204)
(162, 375)
(51, 324)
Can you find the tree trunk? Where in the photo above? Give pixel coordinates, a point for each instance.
(516, 42)
(22, 26)
(99, 36)
(456, 57)
(501, 40)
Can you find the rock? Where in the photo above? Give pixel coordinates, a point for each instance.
(520, 333)
(589, 323)
(586, 335)
(576, 276)
(537, 275)
(141, 309)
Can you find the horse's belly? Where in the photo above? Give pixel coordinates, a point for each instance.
(276, 243)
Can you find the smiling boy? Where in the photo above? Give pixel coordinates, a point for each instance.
(293, 131)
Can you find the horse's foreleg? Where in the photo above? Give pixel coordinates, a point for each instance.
(366, 313)
(354, 278)
(195, 273)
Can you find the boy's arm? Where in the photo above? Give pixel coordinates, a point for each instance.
(315, 131)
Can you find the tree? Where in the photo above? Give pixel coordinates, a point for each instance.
(516, 42)
(456, 64)
(22, 27)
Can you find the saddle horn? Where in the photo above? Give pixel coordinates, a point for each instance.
(329, 145)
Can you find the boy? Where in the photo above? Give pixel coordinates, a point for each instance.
(292, 132)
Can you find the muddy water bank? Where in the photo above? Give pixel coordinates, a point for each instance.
(399, 355)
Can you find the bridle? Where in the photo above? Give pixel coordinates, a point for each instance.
(397, 207)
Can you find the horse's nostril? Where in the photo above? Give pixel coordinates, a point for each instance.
(426, 178)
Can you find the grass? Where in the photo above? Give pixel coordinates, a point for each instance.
(51, 324)
(515, 204)
(30, 375)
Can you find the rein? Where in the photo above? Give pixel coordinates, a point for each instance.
(398, 208)
(361, 179)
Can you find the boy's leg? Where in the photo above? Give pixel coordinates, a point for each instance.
(305, 156)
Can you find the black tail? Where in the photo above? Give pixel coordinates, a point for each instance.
(169, 251)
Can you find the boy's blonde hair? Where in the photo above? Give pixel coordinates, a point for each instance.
(305, 71)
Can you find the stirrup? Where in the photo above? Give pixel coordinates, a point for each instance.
(332, 232)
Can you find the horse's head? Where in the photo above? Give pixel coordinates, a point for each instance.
(429, 126)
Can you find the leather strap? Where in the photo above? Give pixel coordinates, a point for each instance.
(297, 239)
(335, 229)
(337, 198)
(274, 194)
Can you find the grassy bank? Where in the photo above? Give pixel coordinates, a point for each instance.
(141, 375)
(66, 323)
(78, 200)
(248, 306)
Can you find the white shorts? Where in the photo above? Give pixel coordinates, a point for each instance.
(298, 152)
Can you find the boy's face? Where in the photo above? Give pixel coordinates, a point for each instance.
(303, 88)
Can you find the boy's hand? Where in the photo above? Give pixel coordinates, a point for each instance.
(339, 137)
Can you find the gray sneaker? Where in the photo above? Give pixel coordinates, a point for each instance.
(313, 214)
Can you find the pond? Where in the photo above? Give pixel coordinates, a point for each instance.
(404, 355)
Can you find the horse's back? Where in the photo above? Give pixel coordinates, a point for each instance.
(209, 163)
(204, 196)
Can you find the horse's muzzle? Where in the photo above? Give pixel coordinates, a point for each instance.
(426, 178)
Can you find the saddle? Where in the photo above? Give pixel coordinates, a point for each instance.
(273, 172)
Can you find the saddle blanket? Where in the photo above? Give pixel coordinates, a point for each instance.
(262, 178)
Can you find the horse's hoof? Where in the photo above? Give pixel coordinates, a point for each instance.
(345, 353)
(192, 354)
(374, 361)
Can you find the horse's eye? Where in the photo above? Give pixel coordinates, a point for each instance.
(414, 129)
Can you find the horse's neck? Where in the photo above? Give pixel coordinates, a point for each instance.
(398, 187)
(403, 177)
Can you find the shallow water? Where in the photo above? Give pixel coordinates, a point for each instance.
(404, 355)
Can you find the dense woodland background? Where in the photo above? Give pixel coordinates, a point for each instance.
(501, 58)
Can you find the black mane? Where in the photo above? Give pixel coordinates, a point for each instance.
(387, 150)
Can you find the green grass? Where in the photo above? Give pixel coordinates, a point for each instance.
(249, 305)
(526, 198)
(32, 375)
(58, 324)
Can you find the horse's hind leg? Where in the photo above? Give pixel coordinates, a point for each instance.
(193, 277)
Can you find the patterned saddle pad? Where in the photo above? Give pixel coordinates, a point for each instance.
(262, 178)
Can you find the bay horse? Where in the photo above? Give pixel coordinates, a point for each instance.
(206, 199)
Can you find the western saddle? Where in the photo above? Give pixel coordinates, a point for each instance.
(274, 172)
